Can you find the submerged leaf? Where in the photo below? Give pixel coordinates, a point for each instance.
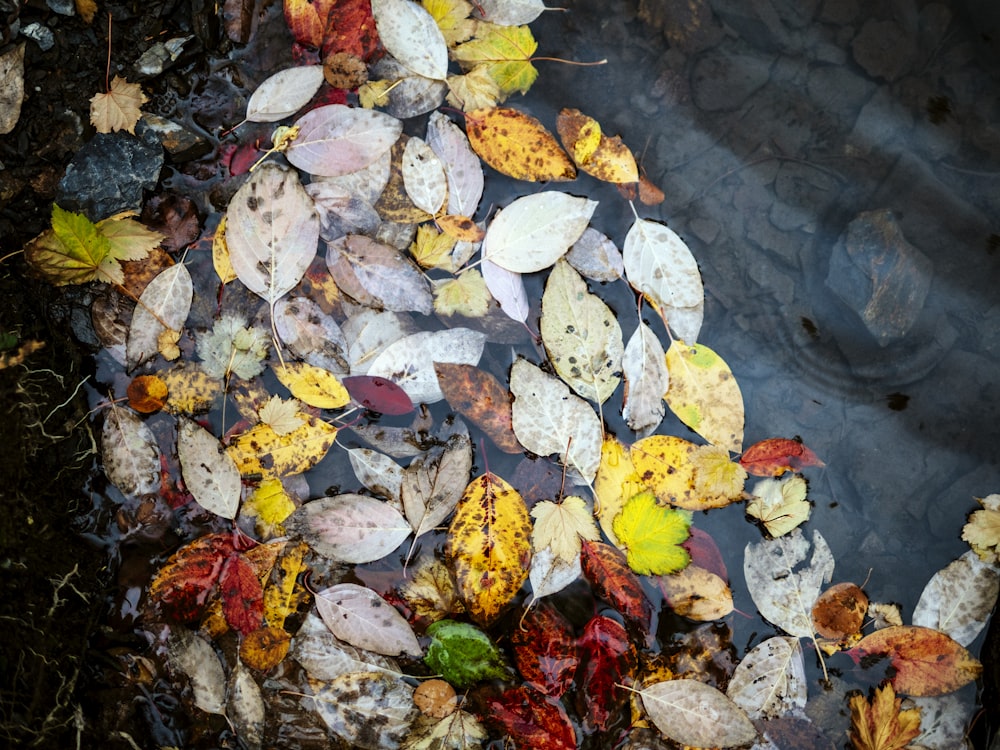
(463, 654)
(209, 472)
(693, 713)
(882, 724)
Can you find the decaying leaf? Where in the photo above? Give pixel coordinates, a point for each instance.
(704, 394)
(262, 451)
(130, 453)
(349, 528)
(693, 713)
(563, 526)
(959, 599)
(596, 154)
(361, 617)
(982, 532)
(780, 506)
(696, 593)
(370, 710)
(881, 724)
(478, 395)
(118, 108)
(516, 144)
(209, 472)
(770, 681)
(410, 35)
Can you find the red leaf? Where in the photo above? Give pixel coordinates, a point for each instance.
(607, 660)
(378, 394)
(613, 580)
(533, 720)
(478, 395)
(705, 553)
(333, 26)
(186, 582)
(926, 661)
(242, 595)
(774, 456)
(545, 650)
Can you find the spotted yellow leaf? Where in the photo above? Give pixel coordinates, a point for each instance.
(616, 482)
(704, 394)
(312, 385)
(262, 451)
(664, 465)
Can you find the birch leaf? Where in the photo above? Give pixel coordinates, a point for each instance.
(210, 474)
(284, 93)
(423, 176)
(704, 394)
(336, 140)
(770, 681)
(784, 579)
(696, 714)
(534, 231)
(660, 265)
(272, 231)
(409, 362)
(130, 453)
(646, 380)
(359, 616)
(349, 528)
(581, 335)
(410, 35)
(163, 305)
(959, 598)
(548, 419)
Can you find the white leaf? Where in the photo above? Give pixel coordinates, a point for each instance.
(311, 334)
(647, 379)
(409, 362)
(366, 184)
(659, 264)
(595, 256)
(771, 679)
(164, 304)
(550, 573)
(209, 472)
(378, 473)
(371, 710)
(130, 453)
(508, 12)
(461, 165)
(192, 655)
(581, 335)
(272, 231)
(423, 176)
(349, 528)
(246, 706)
(782, 584)
(377, 275)
(693, 713)
(959, 598)
(433, 484)
(409, 95)
(362, 618)
(533, 232)
(324, 656)
(336, 139)
(411, 35)
(944, 720)
(284, 93)
(507, 288)
(370, 332)
(548, 419)
(342, 211)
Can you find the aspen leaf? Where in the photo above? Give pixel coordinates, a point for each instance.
(349, 528)
(118, 108)
(561, 526)
(370, 710)
(770, 681)
(263, 451)
(780, 506)
(646, 380)
(516, 144)
(548, 419)
(312, 385)
(882, 724)
(596, 154)
(336, 140)
(696, 593)
(616, 481)
(505, 53)
(163, 305)
(488, 546)
(359, 616)
(581, 335)
(704, 394)
(664, 464)
(284, 93)
(959, 598)
(410, 35)
(409, 362)
(651, 535)
(130, 453)
(209, 472)
(693, 713)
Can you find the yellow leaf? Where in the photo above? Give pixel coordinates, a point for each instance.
(166, 344)
(375, 93)
(460, 227)
(982, 532)
(87, 9)
(616, 481)
(118, 109)
(880, 724)
(192, 390)
(430, 591)
(505, 51)
(465, 295)
(488, 546)
(283, 593)
(130, 240)
(716, 474)
(474, 90)
(517, 145)
(262, 451)
(596, 154)
(312, 385)
(431, 249)
(452, 17)
(664, 465)
(779, 505)
(220, 254)
(562, 526)
(704, 394)
(269, 505)
(651, 535)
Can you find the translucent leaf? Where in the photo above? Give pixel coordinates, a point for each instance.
(770, 681)
(359, 616)
(378, 275)
(693, 713)
(284, 93)
(595, 256)
(959, 598)
(246, 706)
(337, 140)
(194, 657)
(130, 453)
(370, 710)
(377, 472)
(410, 35)
(209, 472)
(508, 289)
(660, 265)
(697, 594)
(324, 656)
(163, 305)
(311, 334)
(349, 528)
(509, 12)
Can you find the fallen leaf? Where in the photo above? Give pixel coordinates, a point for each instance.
(432, 485)
(130, 454)
(595, 256)
(435, 698)
(477, 395)
(550, 574)
(616, 481)
(191, 390)
(693, 713)
(409, 362)
(982, 531)
(507, 288)
(325, 657)
(461, 165)
(464, 295)
(563, 526)
(423, 176)
(410, 34)
(614, 581)
(118, 108)
(596, 154)
(704, 394)
(184, 585)
(881, 724)
(333, 26)
(545, 650)
(607, 662)
(336, 140)
(311, 385)
(284, 93)
(370, 710)
(509, 12)
(660, 265)
(232, 348)
(463, 654)
(147, 394)
(646, 380)
(311, 334)
(260, 450)
(242, 595)
(163, 306)
(210, 474)
(359, 616)
(459, 730)
(780, 506)
(770, 681)
(452, 17)
(378, 394)
(531, 719)
(349, 528)
(281, 415)
(504, 52)
(194, 657)
(269, 505)
(430, 590)
(12, 86)
(774, 456)
(840, 611)
(696, 593)
(474, 91)
(245, 706)
(666, 465)
(959, 598)
(651, 535)
(518, 145)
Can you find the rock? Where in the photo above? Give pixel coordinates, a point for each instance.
(181, 143)
(41, 35)
(688, 25)
(110, 172)
(880, 275)
(883, 49)
(723, 80)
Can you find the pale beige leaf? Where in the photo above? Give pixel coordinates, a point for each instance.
(696, 714)
(118, 108)
(562, 526)
(959, 598)
(770, 681)
(780, 505)
(282, 416)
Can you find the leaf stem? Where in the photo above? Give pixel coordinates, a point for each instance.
(107, 70)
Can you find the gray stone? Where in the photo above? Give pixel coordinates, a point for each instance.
(725, 80)
(688, 25)
(110, 172)
(883, 124)
(880, 275)
(840, 92)
(839, 11)
(181, 143)
(884, 49)
(41, 35)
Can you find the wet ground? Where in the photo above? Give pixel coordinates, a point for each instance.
(775, 129)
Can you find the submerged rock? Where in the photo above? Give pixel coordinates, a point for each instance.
(880, 275)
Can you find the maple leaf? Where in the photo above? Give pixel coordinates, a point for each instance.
(982, 532)
(465, 295)
(506, 52)
(474, 90)
(562, 526)
(779, 505)
(452, 17)
(118, 108)
(281, 415)
(880, 724)
(651, 535)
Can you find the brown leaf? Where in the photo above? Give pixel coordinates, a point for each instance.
(478, 395)
(839, 611)
(880, 724)
(147, 394)
(118, 109)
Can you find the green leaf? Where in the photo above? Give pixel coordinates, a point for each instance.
(73, 252)
(463, 654)
(505, 51)
(651, 535)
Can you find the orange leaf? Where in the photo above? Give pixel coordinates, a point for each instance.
(839, 611)
(596, 154)
(333, 26)
(516, 144)
(774, 456)
(184, 585)
(478, 395)
(265, 648)
(147, 394)
(926, 661)
(880, 725)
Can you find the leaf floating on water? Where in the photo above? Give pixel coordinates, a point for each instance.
(614, 581)
(479, 396)
(516, 144)
(563, 526)
(532, 719)
(508, 12)
(409, 362)
(982, 532)
(503, 54)
(596, 154)
(770, 681)
(311, 334)
(545, 650)
(423, 176)
(651, 535)
(359, 616)
(130, 453)
(432, 485)
(193, 656)
(284, 93)
(410, 35)
(780, 506)
(693, 713)
(378, 394)
(377, 275)
(210, 474)
(163, 305)
(774, 456)
(324, 656)
(882, 724)
(508, 289)
(660, 265)
(666, 465)
(370, 710)
(350, 528)
(463, 654)
(312, 385)
(336, 140)
(261, 450)
(959, 598)
(646, 380)
(245, 706)
(550, 573)
(461, 165)
(697, 594)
